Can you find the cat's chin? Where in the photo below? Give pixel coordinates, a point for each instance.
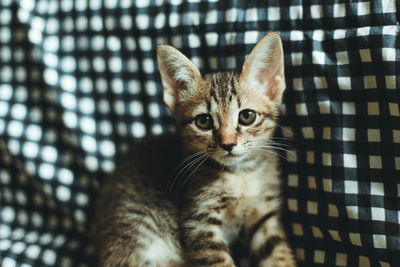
(229, 160)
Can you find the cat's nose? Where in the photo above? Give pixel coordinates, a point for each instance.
(228, 147)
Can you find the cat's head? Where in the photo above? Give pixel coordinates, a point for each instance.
(228, 116)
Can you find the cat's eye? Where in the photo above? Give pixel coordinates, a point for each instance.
(247, 117)
(204, 121)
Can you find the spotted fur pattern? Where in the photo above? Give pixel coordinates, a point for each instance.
(226, 185)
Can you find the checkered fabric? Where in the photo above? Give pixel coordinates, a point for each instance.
(79, 83)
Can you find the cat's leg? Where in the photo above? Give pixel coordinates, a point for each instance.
(205, 242)
(152, 251)
(268, 244)
(136, 230)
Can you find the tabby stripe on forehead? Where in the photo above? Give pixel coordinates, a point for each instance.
(233, 89)
(261, 221)
(213, 95)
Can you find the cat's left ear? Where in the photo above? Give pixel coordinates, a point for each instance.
(263, 70)
(179, 75)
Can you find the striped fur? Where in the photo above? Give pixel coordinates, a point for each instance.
(226, 186)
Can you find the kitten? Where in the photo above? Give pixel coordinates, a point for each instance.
(227, 186)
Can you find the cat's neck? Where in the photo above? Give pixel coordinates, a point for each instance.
(259, 163)
(211, 172)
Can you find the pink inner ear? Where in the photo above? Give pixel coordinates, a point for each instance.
(271, 79)
(272, 89)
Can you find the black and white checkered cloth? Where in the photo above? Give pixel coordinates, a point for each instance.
(79, 82)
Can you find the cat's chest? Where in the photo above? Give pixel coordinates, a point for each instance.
(248, 195)
(244, 187)
(245, 192)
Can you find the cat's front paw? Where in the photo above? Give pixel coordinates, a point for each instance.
(212, 264)
(210, 258)
(281, 256)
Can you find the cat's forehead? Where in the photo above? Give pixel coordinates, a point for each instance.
(222, 86)
(224, 94)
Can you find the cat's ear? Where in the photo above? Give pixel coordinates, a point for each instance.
(263, 69)
(178, 74)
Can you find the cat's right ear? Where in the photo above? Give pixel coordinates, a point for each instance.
(178, 74)
(263, 70)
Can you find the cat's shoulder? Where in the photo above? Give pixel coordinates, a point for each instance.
(154, 155)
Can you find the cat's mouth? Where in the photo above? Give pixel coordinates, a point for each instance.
(226, 158)
(229, 158)
(230, 155)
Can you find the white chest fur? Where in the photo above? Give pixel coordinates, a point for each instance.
(250, 184)
(250, 197)
(243, 198)
(247, 185)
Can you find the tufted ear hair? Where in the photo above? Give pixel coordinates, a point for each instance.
(263, 69)
(178, 75)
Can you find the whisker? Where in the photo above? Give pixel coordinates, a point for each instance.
(281, 145)
(277, 144)
(267, 146)
(188, 158)
(187, 168)
(194, 162)
(187, 178)
(187, 162)
(285, 128)
(274, 145)
(271, 152)
(282, 139)
(279, 148)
